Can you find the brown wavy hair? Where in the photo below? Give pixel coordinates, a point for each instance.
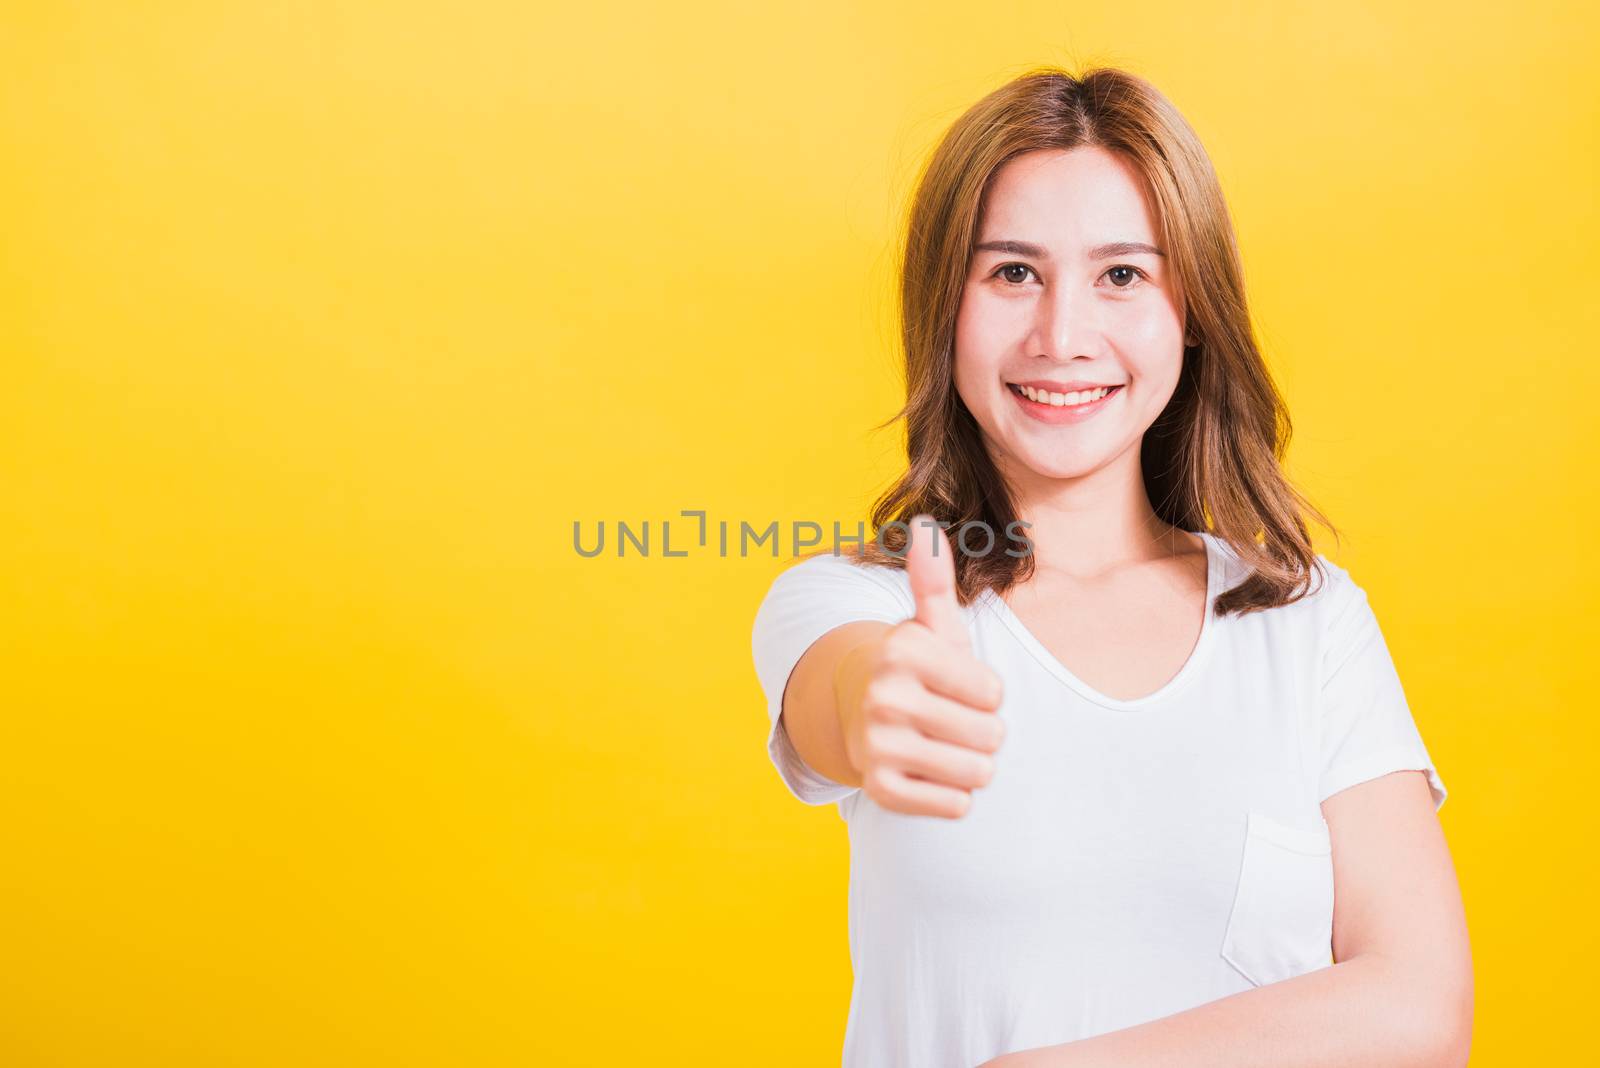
(1211, 460)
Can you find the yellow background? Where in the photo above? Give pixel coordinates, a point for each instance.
(322, 324)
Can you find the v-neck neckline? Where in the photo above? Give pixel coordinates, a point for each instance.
(1190, 668)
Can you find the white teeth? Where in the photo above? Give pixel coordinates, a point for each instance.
(1064, 400)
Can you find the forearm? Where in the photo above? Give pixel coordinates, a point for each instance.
(1361, 1013)
(817, 701)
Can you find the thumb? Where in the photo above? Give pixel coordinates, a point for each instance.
(931, 565)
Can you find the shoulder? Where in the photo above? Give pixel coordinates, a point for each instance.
(1329, 592)
(1344, 620)
(1333, 600)
(1327, 581)
(844, 576)
(1335, 592)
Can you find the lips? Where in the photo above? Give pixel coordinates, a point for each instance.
(1060, 394)
(1061, 414)
(1076, 385)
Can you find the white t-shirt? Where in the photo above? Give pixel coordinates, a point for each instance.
(1129, 859)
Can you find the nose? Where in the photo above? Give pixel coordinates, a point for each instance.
(1066, 324)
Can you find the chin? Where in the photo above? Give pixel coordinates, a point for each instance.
(1058, 466)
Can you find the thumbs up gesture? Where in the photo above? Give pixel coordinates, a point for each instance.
(916, 707)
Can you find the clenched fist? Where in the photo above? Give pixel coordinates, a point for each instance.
(916, 707)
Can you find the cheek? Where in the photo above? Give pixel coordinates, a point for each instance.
(970, 374)
(975, 364)
(1153, 342)
(1153, 325)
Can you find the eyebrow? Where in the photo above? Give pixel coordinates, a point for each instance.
(1099, 252)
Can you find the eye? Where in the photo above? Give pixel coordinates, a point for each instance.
(1013, 267)
(1124, 276)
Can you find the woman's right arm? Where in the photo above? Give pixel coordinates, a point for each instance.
(827, 680)
(904, 710)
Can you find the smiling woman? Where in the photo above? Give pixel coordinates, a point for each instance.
(1068, 286)
(1078, 292)
(1207, 819)
(1051, 228)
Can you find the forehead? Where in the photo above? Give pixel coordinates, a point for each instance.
(1086, 193)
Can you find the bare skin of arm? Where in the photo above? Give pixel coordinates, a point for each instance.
(904, 710)
(825, 686)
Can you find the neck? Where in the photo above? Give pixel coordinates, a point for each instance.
(1091, 525)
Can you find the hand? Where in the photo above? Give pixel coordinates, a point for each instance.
(917, 708)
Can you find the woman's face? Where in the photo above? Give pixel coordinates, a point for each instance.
(1067, 290)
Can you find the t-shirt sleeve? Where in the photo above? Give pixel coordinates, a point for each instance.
(1366, 725)
(804, 603)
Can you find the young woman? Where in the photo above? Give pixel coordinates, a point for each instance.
(1144, 788)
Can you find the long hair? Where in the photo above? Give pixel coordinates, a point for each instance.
(1211, 460)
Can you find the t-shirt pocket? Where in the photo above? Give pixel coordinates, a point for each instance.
(1281, 923)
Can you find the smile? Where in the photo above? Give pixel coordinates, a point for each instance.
(1055, 408)
(1064, 400)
